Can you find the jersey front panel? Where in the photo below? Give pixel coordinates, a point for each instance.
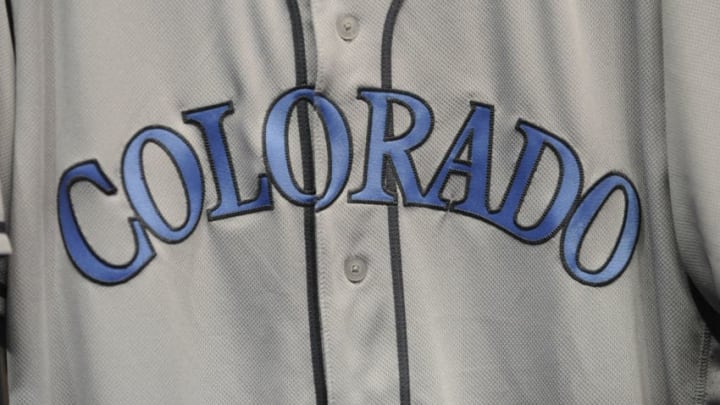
(345, 202)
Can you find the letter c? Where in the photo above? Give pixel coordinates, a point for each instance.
(82, 255)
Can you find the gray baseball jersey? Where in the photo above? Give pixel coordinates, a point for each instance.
(360, 202)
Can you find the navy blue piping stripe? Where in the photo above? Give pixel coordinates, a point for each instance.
(11, 25)
(308, 169)
(707, 312)
(393, 221)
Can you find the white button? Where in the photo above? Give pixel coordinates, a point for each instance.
(348, 27)
(355, 269)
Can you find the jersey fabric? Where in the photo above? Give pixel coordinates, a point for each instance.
(360, 202)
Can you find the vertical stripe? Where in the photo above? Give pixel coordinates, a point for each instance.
(308, 170)
(9, 14)
(393, 221)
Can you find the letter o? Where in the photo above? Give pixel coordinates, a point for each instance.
(583, 217)
(276, 152)
(188, 168)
